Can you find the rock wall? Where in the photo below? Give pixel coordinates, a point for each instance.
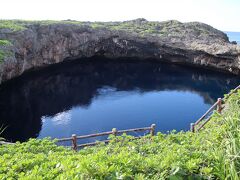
(39, 45)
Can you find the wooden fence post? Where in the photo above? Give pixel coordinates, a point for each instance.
(152, 130)
(114, 131)
(219, 105)
(74, 142)
(192, 127)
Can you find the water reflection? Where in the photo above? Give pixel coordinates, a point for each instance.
(96, 94)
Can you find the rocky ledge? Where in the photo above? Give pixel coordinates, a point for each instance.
(25, 45)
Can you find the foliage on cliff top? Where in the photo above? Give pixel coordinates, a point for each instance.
(18, 25)
(140, 26)
(13, 25)
(210, 153)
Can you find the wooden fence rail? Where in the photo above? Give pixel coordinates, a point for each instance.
(114, 132)
(216, 106)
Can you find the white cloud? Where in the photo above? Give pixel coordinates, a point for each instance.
(222, 14)
(62, 118)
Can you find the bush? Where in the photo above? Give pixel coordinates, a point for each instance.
(212, 153)
(11, 24)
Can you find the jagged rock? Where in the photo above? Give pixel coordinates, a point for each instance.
(39, 44)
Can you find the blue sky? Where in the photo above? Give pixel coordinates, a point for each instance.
(221, 14)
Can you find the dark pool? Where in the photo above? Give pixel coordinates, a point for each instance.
(95, 95)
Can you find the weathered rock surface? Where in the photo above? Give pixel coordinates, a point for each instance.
(41, 44)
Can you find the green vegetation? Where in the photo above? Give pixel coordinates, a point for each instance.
(213, 153)
(140, 26)
(143, 27)
(4, 54)
(14, 25)
(50, 22)
(18, 25)
(5, 43)
(167, 30)
(3, 51)
(97, 25)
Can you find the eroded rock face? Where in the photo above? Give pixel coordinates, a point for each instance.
(186, 43)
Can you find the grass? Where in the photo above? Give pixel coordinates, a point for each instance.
(141, 26)
(212, 153)
(13, 25)
(231, 142)
(19, 25)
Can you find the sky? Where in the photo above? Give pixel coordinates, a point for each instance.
(221, 14)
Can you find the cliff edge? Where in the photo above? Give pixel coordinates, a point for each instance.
(26, 45)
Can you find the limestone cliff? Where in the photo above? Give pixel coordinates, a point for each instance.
(38, 44)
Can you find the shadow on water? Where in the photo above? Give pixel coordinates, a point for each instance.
(58, 88)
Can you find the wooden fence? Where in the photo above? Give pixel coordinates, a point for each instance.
(114, 132)
(202, 121)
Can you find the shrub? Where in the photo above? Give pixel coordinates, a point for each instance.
(14, 25)
(212, 153)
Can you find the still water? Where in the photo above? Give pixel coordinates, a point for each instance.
(95, 95)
